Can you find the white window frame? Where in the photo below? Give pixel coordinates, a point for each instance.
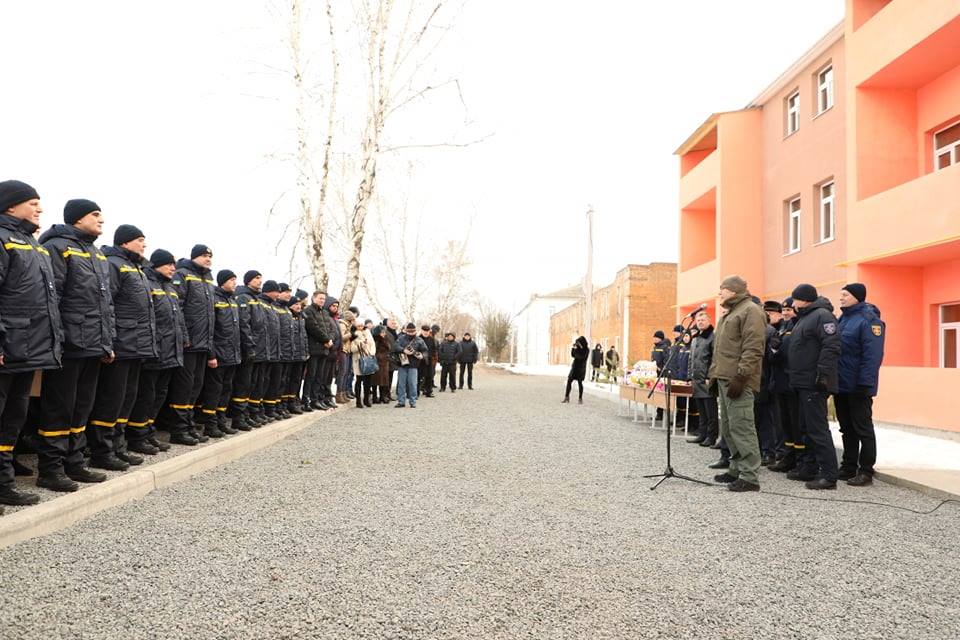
(793, 113)
(948, 326)
(953, 149)
(830, 201)
(793, 230)
(825, 89)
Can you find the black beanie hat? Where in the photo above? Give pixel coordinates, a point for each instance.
(409, 326)
(125, 233)
(223, 275)
(270, 286)
(678, 328)
(773, 305)
(14, 192)
(74, 210)
(788, 303)
(250, 275)
(161, 257)
(283, 287)
(301, 294)
(857, 290)
(658, 334)
(805, 292)
(199, 250)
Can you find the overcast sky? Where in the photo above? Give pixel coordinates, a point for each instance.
(147, 109)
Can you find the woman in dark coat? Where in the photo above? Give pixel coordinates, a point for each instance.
(381, 379)
(578, 369)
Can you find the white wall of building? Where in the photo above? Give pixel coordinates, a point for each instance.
(532, 326)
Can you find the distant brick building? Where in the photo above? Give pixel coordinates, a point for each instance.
(640, 300)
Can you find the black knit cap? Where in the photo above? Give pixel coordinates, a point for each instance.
(125, 233)
(678, 328)
(857, 290)
(223, 275)
(199, 250)
(301, 294)
(805, 292)
(788, 303)
(76, 209)
(410, 326)
(658, 334)
(283, 287)
(270, 286)
(14, 192)
(250, 275)
(161, 257)
(773, 305)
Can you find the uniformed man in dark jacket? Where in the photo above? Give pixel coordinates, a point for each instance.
(814, 352)
(469, 354)
(136, 341)
(294, 378)
(788, 403)
(30, 330)
(660, 353)
(332, 307)
(194, 284)
(286, 348)
(319, 327)
(448, 352)
(156, 373)
(246, 408)
(862, 335)
(218, 379)
(82, 277)
(596, 362)
(769, 432)
(271, 377)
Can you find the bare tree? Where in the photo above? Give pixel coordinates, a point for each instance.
(495, 327)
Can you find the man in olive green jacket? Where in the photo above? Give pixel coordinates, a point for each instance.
(737, 361)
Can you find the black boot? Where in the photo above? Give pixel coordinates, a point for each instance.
(81, 474)
(129, 458)
(184, 438)
(57, 482)
(109, 462)
(359, 402)
(305, 407)
(143, 446)
(163, 446)
(11, 496)
(20, 469)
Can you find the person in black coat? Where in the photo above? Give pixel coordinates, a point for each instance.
(156, 373)
(469, 354)
(596, 362)
(271, 340)
(194, 285)
(428, 366)
(448, 352)
(659, 355)
(320, 329)
(298, 354)
(246, 406)
(218, 379)
(788, 403)
(813, 360)
(766, 414)
(136, 341)
(30, 332)
(578, 368)
(82, 278)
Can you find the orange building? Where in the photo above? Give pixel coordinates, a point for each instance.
(625, 313)
(846, 169)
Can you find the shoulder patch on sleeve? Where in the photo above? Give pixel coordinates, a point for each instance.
(877, 329)
(830, 328)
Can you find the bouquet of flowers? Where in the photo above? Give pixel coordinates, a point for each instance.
(643, 374)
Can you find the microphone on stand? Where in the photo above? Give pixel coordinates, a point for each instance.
(697, 310)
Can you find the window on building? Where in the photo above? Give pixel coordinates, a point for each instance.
(828, 216)
(949, 335)
(793, 113)
(793, 225)
(946, 145)
(824, 90)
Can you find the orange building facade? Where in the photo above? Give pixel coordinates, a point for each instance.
(846, 169)
(625, 313)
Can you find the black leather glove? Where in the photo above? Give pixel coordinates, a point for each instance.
(736, 386)
(713, 388)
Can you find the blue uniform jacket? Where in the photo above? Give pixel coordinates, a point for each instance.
(862, 334)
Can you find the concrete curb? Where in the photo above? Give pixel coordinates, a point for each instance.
(60, 513)
(933, 492)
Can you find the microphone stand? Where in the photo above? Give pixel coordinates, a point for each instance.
(664, 374)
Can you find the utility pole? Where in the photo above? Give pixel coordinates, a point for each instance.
(588, 282)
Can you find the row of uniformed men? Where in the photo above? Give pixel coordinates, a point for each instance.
(126, 345)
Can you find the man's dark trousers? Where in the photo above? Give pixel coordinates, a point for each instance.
(813, 418)
(468, 367)
(66, 400)
(242, 389)
(709, 419)
(14, 400)
(793, 437)
(214, 381)
(151, 392)
(855, 415)
(448, 372)
(116, 395)
(177, 415)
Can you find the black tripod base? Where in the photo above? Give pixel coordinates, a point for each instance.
(670, 473)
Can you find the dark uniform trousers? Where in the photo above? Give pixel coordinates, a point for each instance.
(271, 398)
(259, 380)
(855, 415)
(768, 427)
(14, 400)
(217, 385)
(151, 392)
(793, 436)
(468, 368)
(294, 380)
(709, 418)
(242, 389)
(66, 400)
(427, 374)
(311, 379)
(177, 415)
(819, 456)
(327, 367)
(116, 394)
(447, 372)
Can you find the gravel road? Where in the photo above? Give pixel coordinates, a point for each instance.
(495, 513)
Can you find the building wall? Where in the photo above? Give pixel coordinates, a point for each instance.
(532, 329)
(639, 301)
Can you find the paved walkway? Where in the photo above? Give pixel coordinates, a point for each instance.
(497, 513)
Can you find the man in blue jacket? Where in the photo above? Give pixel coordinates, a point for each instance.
(862, 334)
